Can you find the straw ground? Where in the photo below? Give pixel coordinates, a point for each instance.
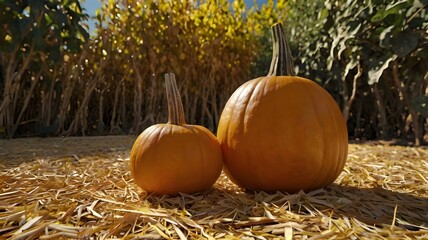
(80, 188)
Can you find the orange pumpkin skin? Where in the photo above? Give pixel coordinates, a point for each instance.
(168, 159)
(175, 157)
(282, 133)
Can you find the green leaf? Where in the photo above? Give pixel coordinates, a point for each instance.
(405, 42)
(389, 10)
(397, 7)
(416, 23)
(84, 32)
(378, 16)
(48, 19)
(323, 13)
(395, 19)
(66, 3)
(377, 67)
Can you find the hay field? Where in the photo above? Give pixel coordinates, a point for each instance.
(80, 188)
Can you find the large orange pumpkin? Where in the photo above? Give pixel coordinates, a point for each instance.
(282, 133)
(175, 157)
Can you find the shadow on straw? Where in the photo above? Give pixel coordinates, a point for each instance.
(376, 206)
(371, 206)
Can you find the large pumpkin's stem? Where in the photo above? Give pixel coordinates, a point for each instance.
(282, 61)
(175, 106)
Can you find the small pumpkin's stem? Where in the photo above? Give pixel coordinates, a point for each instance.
(282, 61)
(175, 106)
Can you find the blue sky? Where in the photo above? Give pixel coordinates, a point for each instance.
(92, 5)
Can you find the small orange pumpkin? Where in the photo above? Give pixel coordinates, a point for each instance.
(175, 157)
(282, 133)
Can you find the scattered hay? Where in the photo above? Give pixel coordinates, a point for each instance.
(78, 192)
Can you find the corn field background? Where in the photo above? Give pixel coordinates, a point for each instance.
(57, 80)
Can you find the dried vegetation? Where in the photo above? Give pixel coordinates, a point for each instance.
(74, 188)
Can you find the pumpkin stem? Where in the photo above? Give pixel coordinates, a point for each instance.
(282, 61)
(175, 106)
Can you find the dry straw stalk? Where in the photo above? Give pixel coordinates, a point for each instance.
(80, 188)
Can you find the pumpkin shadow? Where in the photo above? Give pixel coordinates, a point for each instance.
(372, 206)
